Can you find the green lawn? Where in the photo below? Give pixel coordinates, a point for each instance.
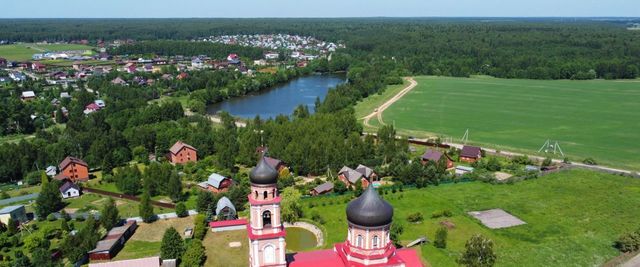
(572, 217)
(126, 208)
(135, 249)
(598, 119)
(20, 52)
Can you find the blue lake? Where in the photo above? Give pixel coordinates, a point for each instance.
(282, 99)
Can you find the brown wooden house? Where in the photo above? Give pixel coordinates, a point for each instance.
(110, 245)
(350, 176)
(322, 189)
(74, 169)
(470, 154)
(435, 156)
(181, 153)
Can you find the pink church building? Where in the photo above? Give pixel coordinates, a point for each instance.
(367, 244)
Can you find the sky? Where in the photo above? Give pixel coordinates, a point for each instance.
(316, 8)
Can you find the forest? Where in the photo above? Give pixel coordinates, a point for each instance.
(524, 48)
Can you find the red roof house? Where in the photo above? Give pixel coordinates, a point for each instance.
(74, 169)
(470, 154)
(435, 157)
(181, 153)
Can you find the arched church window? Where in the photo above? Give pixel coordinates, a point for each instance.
(269, 254)
(265, 194)
(359, 241)
(266, 218)
(256, 195)
(375, 241)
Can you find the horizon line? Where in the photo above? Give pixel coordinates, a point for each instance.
(348, 17)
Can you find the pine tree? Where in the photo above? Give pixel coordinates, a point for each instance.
(49, 200)
(174, 187)
(172, 245)
(145, 208)
(109, 216)
(64, 226)
(205, 198)
(194, 255)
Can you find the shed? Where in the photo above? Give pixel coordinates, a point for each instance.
(16, 213)
(69, 190)
(225, 209)
(322, 189)
(109, 246)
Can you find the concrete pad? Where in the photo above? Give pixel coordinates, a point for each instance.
(496, 218)
(235, 244)
(501, 176)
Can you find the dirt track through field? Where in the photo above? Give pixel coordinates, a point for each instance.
(378, 111)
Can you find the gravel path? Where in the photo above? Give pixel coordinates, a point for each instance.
(378, 111)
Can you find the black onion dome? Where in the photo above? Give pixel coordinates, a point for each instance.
(369, 210)
(263, 174)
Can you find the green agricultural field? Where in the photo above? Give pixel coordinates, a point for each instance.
(572, 217)
(21, 52)
(598, 119)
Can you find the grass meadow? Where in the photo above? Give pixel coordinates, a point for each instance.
(572, 217)
(598, 119)
(20, 52)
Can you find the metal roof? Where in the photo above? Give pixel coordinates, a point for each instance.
(263, 173)
(369, 210)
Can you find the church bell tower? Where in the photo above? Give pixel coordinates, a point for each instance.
(266, 232)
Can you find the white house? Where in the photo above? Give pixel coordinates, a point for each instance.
(271, 56)
(69, 190)
(51, 171)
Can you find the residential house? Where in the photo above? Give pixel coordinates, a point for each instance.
(38, 67)
(28, 95)
(91, 108)
(182, 76)
(271, 56)
(322, 189)
(65, 112)
(16, 213)
(233, 59)
(225, 210)
(110, 245)
(470, 154)
(148, 67)
(350, 177)
(367, 173)
(69, 190)
(181, 153)
(51, 171)
(435, 156)
(74, 169)
(65, 95)
(17, 76)
(217, 183)
(118, 81)
(197, 63)
(260, 62)
(130, 68)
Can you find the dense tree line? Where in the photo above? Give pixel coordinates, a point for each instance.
(526, 48)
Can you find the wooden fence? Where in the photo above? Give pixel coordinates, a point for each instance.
(125, 196)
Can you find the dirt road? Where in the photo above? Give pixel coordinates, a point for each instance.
(378, 111)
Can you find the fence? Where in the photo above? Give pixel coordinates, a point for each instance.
(124, 196)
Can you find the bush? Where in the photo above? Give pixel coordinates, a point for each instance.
(441, 238)
(200, 228)
(51, 217)
(415, 217)
(181, 210)
(4, 195)
(590, 161)
(629, 242)
(65, 216)
(441, 213)
(546, 162)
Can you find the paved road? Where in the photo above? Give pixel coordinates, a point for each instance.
(378, 111)
(633, 262)
(8, 201)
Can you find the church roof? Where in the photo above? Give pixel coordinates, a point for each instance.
(263, 173)
(369, 210)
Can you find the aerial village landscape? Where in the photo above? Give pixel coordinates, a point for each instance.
(356, 141)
